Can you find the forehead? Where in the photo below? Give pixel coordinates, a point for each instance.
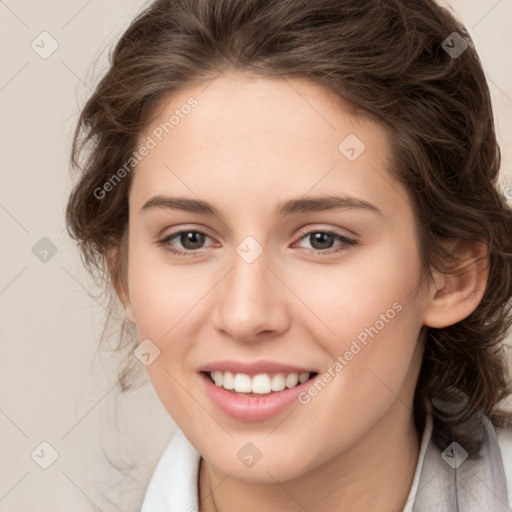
(267, 137)
(244, 106)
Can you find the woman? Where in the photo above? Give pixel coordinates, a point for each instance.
(363, 371)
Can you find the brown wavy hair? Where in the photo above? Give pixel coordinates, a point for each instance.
(386, 59)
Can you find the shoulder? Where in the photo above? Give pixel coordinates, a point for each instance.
(505, 442)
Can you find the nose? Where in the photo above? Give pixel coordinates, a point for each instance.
(251, 302)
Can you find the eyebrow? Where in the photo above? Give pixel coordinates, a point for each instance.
(288, 207)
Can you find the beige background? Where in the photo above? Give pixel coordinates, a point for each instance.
(52, 388)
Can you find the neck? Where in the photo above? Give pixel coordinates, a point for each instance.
(374, 474)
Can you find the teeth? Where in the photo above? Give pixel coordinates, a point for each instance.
(278, 382)
(218, 378)
(229, 381)
(291, 380)
(242, 383)
(303, 377)
(261, 384)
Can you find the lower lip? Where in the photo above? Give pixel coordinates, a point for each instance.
(252, 408)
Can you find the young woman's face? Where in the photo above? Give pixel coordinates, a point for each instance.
(309, 265)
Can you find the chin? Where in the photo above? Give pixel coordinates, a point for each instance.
(281, 464)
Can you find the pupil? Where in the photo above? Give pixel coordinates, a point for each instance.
(318, 240)
(192, 239)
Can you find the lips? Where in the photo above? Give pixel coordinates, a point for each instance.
(229, 384)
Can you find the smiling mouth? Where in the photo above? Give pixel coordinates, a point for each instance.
(260, 384)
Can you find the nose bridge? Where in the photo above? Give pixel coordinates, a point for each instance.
(250, 300)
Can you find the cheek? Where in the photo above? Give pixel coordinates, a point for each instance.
(366, 288)
(162, 298)
(374, 322)
(373, 315)
(161, 294)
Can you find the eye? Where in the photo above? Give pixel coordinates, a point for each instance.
(190, 240)
(322, 241)
(193, 240)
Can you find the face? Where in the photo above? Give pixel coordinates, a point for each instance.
(299, 261)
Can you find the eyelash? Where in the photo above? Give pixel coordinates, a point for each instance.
(164, 243)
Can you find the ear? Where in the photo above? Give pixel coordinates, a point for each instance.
(119, 282)
(457, 293)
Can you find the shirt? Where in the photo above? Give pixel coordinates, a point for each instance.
(173, 486)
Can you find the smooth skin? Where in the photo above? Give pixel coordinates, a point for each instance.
(250, 144)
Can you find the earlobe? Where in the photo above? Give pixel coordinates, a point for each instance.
(459, 291)
(119, 282)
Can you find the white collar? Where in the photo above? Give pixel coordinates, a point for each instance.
(174, 484)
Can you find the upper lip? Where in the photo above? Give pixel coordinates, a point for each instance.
(253, 368)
